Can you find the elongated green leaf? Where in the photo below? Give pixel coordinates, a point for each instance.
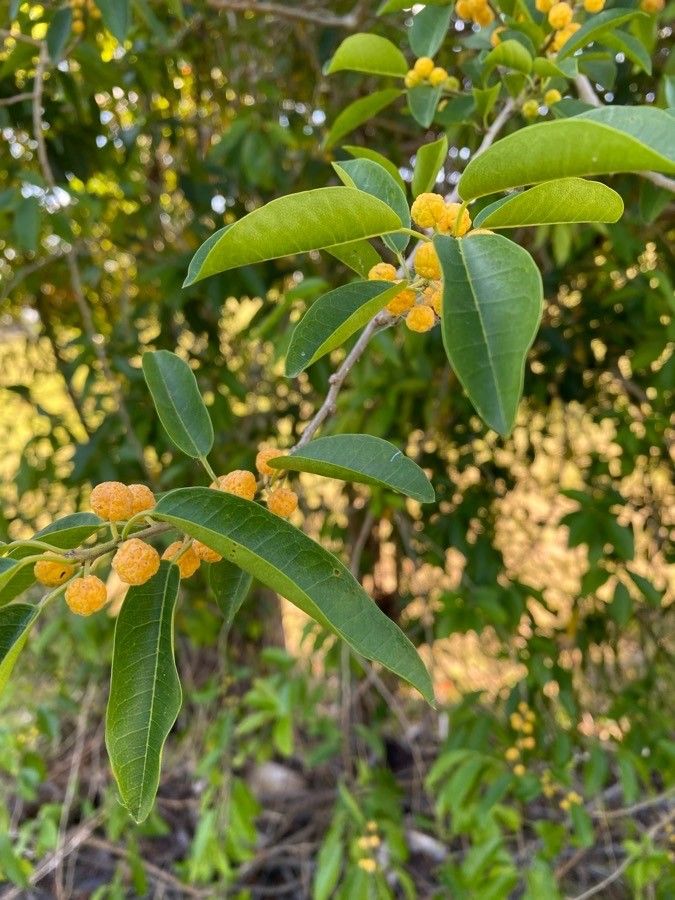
(201, 254)
(428, 30)
(309, 220)
(230, 586)
(286, 560)
(367, 153)
(178, 402)
(116, 15)
(423, 101)
(510, 54)
(600, 141)
(554, 202)
(145, 693)
(370, 53)
(370, 177)
(361, 458)
(360, 111)
(593, 28)
(360, 256)
(428, 163)
(333, 318)
(15, 624)
(59, 32)
(549, 68)
(492, 304)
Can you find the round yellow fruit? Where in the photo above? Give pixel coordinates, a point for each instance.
(239, 482)
(448, 223)
(52, 574)
(135, 561)
(263, 457)
(438, 76)
(426, 262)
(142, 498)
(552, 97)
(112, 501)
(427, 209)
(402, 302)
(282, 502)
(188, 563)
(205, 553)
(382, 272)
(560, 16)
(86, 595)
(424, 66)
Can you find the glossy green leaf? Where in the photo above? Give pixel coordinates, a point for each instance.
(287, 561)
(372, 178)
(428, 163)
(552, 68)
(145, 693)
(358, 112)
(553, 202)
(178, 402)
(230, 586)
(428, 30)
(485, 99)
(116, 15)
(15, 624)
(601, 141)
(360, 256)
(367, 153)
(333, 318)
(59, 32)
(297, 223)
(27, 224)
(630, 46)
(492, 305)
(360, 458)
(423, 102)
(595, 26)
(511, 55)
(369, 53)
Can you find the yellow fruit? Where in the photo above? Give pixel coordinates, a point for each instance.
(382, 272)
(142, 498)
(551, 97)
(544, 5)
(560, 16)
(483, 16)
(240, 482)
(512, 754)
(52, 574)
(78, 26)
(561, 37)
(447, 224)
(519, 770)
(420, 319)
(495, 37)
(402, 302)
(206, 553)
(112, 501)
(594, 6)
(438, 76)
(432, 296)
(463, 8)
(424, 66)
(412, 79)
(479, 231)
(282, 502)
(427, 209)
(135, 561)
(426, 261)
(87, 595)
(452, 84)
(189, 561)
(264, 456)
(652, 6)
(530, 109)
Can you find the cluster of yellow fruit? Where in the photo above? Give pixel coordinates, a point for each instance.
(420, 316)
(425, 72)
(135, 561)
(477, 11)
(522, 722)
(530, 108)
(366, 844)
(79, 7)
(571, 799)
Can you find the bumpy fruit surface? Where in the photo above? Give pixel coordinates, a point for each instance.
(438, 76)
(426, 261)
(562, 37)
(402, 302)
(448, 224)
(240, 482)
(530, 109)
(263, 457)
(652, 6)
(142, 498)
(112, 501)
(427, 209)
(206, 553)
(188, 563)
(544, 6)
(282, 502)
(86, 595)
(483, 16)
(420, 319)
(382, 272)
(432, 297)
(464, 8)
(560, 16)
(594, 6)
(552, 97)
(135, 561)
(412, 79)
(52, 574)
(424, 66)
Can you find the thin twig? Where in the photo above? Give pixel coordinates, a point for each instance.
(280, 11)
(93, 553)
(17, 98)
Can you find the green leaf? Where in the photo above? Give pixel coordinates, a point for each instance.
(370, 177)
(511, 55)
(145, 693)
(333, 318)
(598, 142)
(360, 458)
(116, 15)
(423, 101)
(360, 256)
(59, 32)
(230, 586)
(630, 46)
(548, 68)
(428, 30)
(428, 163)
(492, 305)
(178, 402)
(27, 224)
(608, 19)
(367, 153)
(369, 53)
(297, 223)
(287, 561)
(621, 607)
(15, 624)
(358, 112)
(485, 99)
(553, 202)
